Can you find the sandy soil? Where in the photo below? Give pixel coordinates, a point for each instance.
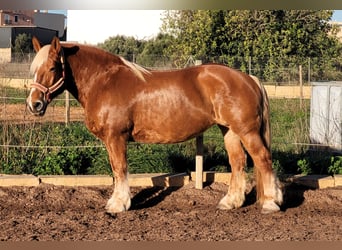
(18, 113)
(60, 213)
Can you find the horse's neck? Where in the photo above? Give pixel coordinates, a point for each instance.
(84, 65)
(74, 82)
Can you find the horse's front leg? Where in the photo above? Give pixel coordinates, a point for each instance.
(121, 198)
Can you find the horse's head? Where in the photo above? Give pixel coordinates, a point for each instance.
(49, 73)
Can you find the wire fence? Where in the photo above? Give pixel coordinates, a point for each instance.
(274, 71)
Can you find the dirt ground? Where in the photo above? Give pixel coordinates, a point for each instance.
(57, 213)
(18, 113)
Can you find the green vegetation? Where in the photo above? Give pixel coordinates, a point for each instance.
(22, 44)
(269, 43)
(50, 150)
(335, 165)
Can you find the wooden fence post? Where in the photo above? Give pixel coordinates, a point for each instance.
(250, 65)
(309, 70)
(199, 154)
(301, 86)
(67, 108)
(199, 162)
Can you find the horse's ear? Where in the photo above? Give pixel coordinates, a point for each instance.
(55, 45)
(36, 44)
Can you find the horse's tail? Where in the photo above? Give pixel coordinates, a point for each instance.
(265, 132)
(265, 129)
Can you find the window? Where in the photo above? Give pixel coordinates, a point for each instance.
(16, 17)
(7, 19)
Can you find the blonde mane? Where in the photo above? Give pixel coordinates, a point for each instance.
(43, 54)
(138, 70)
(41, 57)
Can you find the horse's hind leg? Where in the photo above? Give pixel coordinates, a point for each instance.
(121, 198)
(237, 160)
(269, 193)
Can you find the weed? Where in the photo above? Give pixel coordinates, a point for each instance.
(304, 166)
(335, 165)
(278, 168)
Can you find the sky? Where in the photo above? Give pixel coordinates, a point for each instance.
(95, 26)
(337, 16)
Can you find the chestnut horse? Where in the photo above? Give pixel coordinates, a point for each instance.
(124, 101)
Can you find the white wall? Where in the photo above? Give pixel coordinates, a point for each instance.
(326, 114)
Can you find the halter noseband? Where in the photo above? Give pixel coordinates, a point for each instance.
(47, 91)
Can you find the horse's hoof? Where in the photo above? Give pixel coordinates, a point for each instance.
(224, 204)
(224, 207)
(227, 203)
(115, 206)
(269, 207)
(112, 215)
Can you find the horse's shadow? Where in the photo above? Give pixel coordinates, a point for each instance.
(150, 197)
(293, 196)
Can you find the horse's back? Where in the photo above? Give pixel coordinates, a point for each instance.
(174, 106)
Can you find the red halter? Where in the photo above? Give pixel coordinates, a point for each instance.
(48, 91)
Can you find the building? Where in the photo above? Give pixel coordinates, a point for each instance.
(17, 17)
(337, 31)
(43, 25)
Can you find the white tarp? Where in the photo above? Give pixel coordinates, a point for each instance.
(326, 114)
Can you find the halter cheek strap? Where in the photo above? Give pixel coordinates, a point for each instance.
(47, 91)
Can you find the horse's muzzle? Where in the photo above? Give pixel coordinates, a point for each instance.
(37, 107)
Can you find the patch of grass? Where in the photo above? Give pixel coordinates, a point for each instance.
(48, 149)
(290, 125)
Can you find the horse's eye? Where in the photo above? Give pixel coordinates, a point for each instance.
(53, 69)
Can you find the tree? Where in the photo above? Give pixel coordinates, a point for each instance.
(272, 38)
(125, 46)
(148, 53)
(22, 46)
(152, 55)
(22, 43)
(191, 32)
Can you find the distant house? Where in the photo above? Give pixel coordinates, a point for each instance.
(338, 26)
(43, 25)
(16, 17)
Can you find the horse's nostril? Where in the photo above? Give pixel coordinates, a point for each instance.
(38, 106)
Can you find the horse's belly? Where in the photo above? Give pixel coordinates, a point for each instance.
(152, 136)
(169, 115)
(169, 131)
